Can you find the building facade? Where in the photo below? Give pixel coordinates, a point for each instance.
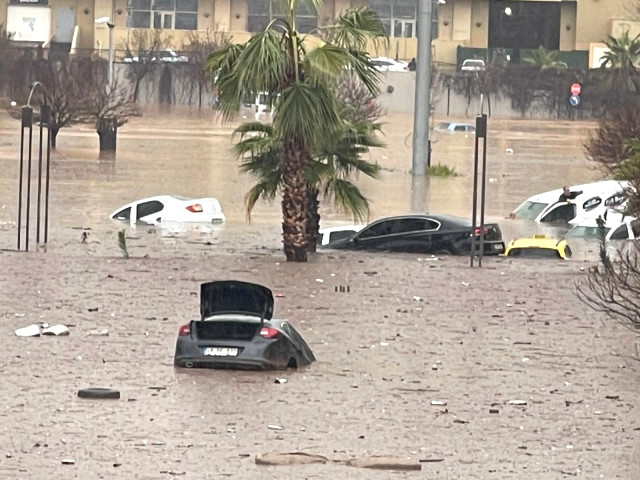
(564, 25)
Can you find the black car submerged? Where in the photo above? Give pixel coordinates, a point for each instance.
(236, 330)
(423, 234)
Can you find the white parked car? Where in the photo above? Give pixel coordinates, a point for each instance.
(332, 234)
(591, 200)
(472, 65)
(170, 208)
(616, 227)
(165, 56)
(386, 64)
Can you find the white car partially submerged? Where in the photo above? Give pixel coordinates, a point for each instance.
(386, 64)
(590, 201)
(170, 208)
(617, 226)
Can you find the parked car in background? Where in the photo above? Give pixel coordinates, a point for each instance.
(616, 227)
(331, 234)
(166, 56)
(472, 65)
(422, 234)
(237, 330)
(538, 246)
(170, 208)
(591, 200)
(455, 127)
(386, 64)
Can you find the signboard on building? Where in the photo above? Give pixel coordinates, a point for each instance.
(28, 2)
(29, 24)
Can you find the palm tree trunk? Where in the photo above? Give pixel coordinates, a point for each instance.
(313, 218)
(294, 201)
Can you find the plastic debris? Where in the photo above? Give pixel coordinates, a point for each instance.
(56, 330)
(103, 332)
(30, 331)
(275, 427)
(280, 380)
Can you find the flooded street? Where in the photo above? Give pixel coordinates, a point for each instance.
(499, 373)
(186, 153)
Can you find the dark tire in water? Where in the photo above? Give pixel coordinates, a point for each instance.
(98, 393)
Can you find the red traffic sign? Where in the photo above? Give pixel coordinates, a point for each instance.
(576, 89)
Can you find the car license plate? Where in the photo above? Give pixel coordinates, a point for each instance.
(220, 351)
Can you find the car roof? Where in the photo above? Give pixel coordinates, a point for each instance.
(442, 218)
(604, 187)
(537, 241)
(342, 228)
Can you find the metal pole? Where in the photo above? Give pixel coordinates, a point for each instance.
(39, 178)
(474, 206)
(26, 121)
(111, 26)
(26, 234)
(46, 190)
(422, 110)
(483, 189)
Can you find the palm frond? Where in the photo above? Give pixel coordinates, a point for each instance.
(306, 112)
(348, 197)
(259, 191)
(355, 28)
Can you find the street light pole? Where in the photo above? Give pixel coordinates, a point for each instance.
(422, 110)
(111, 26)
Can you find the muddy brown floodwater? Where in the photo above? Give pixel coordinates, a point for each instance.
(493, 373)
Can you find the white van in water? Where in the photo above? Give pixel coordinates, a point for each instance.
(591, 200)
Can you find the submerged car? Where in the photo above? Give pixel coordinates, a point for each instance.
(420, 233)
(456, 127)
(589, 200)
(538, 246)
(473, 65)
(616, 227)
(385, 64)
(331, 234)
(170, 208)
(237, 330)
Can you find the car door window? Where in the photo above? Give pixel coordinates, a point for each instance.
(408, 225)
(124, 214)
(460, 128)
(377, 230)
(340, 234)
(149, 208)
(635, 227)
(562, 213)
(620, 233)
(591, 203)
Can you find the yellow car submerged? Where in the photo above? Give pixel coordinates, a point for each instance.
(538, 246)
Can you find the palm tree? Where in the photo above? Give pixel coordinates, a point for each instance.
(544, 59)
(622, 56)
(300, 80)
(329, 174)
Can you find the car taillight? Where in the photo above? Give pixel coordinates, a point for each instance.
(195, 208)
(484, 232)
(268, 332)
(184, 330)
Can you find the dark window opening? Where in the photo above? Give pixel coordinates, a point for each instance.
(149, 208)
(563, 213)
(124, 214)
(382, 228)
(620, 233)
(534, 253)
(516, 25)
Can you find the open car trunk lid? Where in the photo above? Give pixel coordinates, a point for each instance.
(232, 296)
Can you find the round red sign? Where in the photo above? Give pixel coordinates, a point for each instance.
(576, 89)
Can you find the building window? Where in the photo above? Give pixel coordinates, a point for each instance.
(399, 17)
(163, 14)
(261, 12)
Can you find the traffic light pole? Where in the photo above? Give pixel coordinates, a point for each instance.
(421, 143)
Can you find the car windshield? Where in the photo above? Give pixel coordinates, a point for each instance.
(586, 232)
(534, 253)
(529, 210)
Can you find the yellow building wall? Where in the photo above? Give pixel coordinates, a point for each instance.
(594, 20)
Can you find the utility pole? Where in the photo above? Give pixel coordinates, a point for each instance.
(422, 110)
